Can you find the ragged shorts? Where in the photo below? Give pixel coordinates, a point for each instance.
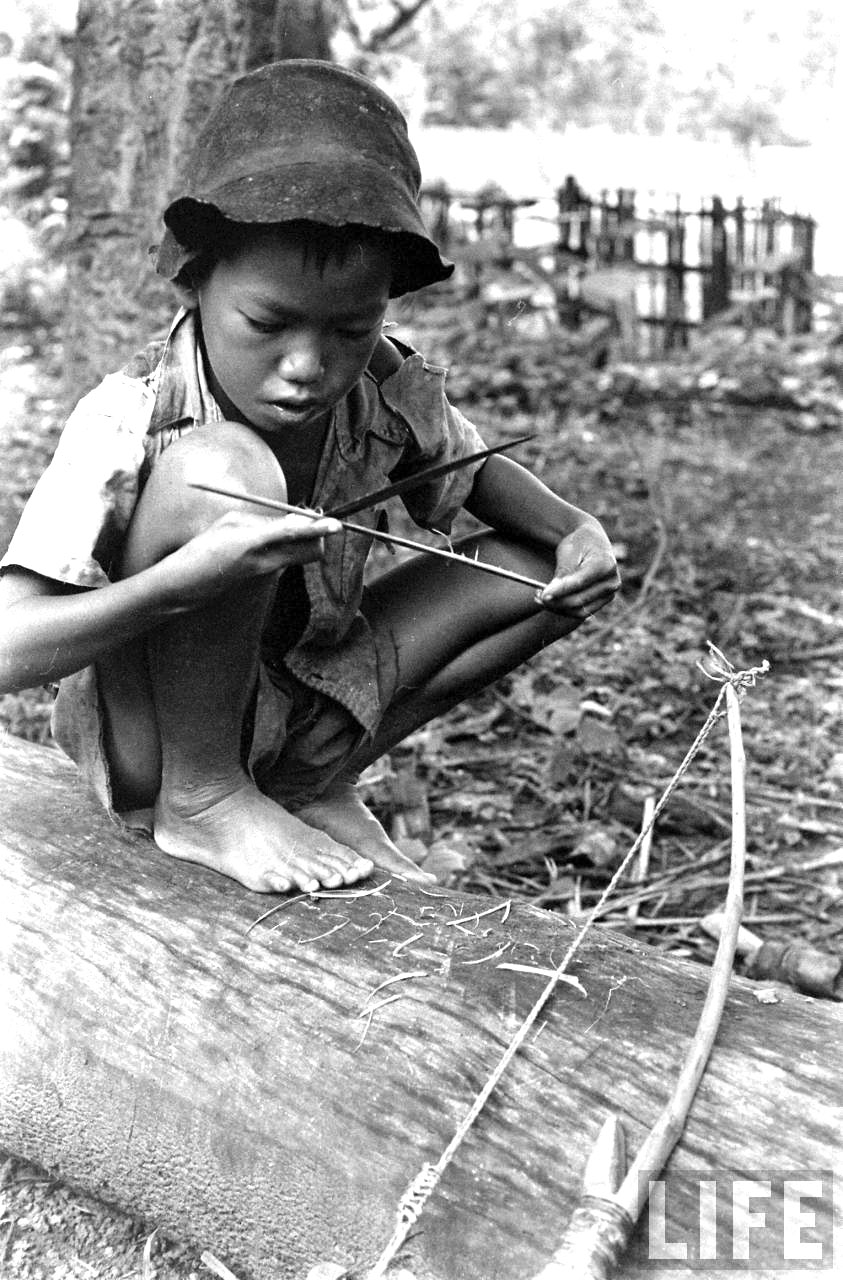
(297, 740)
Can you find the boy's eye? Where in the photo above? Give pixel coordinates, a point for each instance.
(354, 333)
(265, 326)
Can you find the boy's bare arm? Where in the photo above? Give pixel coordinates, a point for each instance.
(513, 501)
(49, 630)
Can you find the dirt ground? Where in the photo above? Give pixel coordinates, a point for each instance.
(717, 473)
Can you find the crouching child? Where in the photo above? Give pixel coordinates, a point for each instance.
(224, 672)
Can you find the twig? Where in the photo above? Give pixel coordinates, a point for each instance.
(679, 922)
(809, 655)
(218, 1268)
(795, 606)
(148, 1270)
(644, 852)
(654, 566)
(376, 533)
(746, 944)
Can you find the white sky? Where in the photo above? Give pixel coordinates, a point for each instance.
(15, 17)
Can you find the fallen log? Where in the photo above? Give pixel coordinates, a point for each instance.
(268, 1090)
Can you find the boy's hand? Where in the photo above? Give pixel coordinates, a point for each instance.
(241, 545)
(586, 577)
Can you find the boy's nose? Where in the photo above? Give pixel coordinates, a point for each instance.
(302, 359)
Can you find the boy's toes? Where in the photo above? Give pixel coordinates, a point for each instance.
(342, 869)
(315, 872)
(308, 884)
(358, 870)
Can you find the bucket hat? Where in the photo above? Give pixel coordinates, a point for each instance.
(304, 140)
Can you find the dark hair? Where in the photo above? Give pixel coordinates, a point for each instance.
(213, 238)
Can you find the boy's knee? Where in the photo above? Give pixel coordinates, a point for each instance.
(172, 510)
(227, 454)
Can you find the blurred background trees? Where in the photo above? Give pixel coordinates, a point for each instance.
(123, 84)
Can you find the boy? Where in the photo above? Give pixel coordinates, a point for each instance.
(228, 675)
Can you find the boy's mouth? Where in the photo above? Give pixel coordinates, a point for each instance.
(296, 406)
(294, 413)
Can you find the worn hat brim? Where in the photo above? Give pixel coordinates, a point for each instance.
(328, 191)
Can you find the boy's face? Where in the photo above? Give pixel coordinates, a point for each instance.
(287, 339)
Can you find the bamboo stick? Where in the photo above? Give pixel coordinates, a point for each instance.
(393, 538)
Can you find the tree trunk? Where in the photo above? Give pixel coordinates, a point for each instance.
(146, 74)
(248, 1087)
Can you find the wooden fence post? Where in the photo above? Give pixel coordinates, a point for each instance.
(574, 213)
(675, 328)
(625, 238)
(716, 287)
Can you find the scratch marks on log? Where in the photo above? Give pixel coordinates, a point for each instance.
(493, 955)
(414, 937)
(279, 906)
(442, 939)
(506, 907)
(369, 1010)
(379, 920)
(326, 933)
(388, 982)
(332, 894)
(546, 973)
(368, 1014)
(614, 987)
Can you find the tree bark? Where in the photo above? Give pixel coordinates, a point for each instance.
(236, 1082)
(146, 74)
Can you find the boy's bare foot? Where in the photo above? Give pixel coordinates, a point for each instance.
(249, 837)
(341, 813)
